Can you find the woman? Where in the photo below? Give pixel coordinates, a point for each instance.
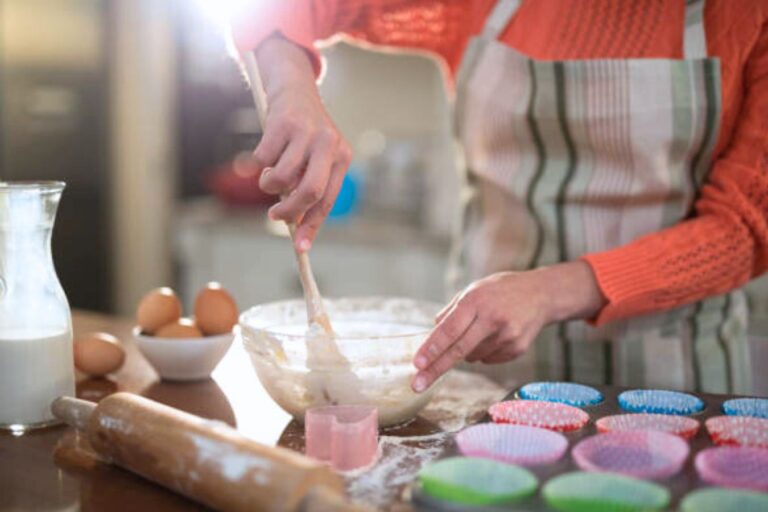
(616, 167)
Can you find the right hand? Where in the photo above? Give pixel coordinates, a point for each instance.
(303, 156)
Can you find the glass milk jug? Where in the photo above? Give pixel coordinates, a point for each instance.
(35, 323)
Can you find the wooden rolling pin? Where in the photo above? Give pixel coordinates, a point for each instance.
(204, 460)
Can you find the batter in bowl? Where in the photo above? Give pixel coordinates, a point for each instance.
(369, 361)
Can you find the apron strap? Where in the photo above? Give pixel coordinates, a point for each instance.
(694, 39)
(499, 18)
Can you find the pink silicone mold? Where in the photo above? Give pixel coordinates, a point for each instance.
(638, 453)
(679, 425)
(738, 431)
(549, 415)
(514, 444)
(345, 436)
(734, 466)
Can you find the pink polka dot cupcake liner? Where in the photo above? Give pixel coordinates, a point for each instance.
(639, 453)
(743, 467)
(514, 444)
(738, 431)
(678, 425)
(549, 415)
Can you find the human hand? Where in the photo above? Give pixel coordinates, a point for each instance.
(497, 318)
(302, 152)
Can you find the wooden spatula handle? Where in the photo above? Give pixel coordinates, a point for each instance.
(315, 309)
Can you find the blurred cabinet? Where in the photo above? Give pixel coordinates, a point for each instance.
(257, 265)
(54, 126)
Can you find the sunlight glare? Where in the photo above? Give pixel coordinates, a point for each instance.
(222, 12)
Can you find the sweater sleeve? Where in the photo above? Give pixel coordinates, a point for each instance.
(441, 27)
(724, 244)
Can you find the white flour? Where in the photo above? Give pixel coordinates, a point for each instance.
(233, 465)
(462, 400)
(401, 460)
(112, 423)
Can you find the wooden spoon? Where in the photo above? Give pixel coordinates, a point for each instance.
(316, 314)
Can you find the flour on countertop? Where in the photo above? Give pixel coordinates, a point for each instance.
(401, 460)
(462, 400)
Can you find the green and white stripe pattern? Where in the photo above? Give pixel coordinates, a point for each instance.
(573, 157)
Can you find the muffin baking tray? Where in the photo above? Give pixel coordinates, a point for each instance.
(679, 485)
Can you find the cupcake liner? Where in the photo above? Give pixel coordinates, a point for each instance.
(515, 444)
(577, 395)
(738, 431)
(724, 500)
(637, 453)
(603, 492)
(475, 481)
(734, 466)
(678, 425)
(755, 407)
(549, 415)
(659, 401)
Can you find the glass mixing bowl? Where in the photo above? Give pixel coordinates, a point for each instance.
(377, 337)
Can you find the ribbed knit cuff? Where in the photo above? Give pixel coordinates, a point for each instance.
(250, 30)
(628, 279)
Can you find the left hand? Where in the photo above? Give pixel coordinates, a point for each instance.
(497, 318)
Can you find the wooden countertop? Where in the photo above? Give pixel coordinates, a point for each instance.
(32, 479)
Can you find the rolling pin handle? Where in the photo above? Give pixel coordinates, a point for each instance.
(73, 411)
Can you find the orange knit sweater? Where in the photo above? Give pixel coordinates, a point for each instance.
(725, 242)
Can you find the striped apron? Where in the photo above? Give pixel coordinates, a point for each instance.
(566, 158)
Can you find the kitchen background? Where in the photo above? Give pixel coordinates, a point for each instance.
(136, 105)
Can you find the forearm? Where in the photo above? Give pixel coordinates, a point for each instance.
(284, 65)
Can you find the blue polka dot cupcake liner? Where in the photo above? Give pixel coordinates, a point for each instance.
(754, 407)
(568, 393)
(659, 401)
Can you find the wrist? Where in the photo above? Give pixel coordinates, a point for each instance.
(572, 292)
(285, 67)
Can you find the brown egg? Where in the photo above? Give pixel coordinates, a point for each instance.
(215, 310)
(158, 308)
(98, 353)
(181, 328)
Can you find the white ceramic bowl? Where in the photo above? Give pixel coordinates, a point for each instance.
(183, 358)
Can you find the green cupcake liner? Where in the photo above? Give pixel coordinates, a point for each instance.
(476, 481)
(724, 500)
(582, 491)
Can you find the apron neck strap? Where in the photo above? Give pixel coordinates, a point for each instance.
(694, 39)
(499, 18)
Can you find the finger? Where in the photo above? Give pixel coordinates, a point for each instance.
(281, 178)
(476, 333)
(270, 147)
(445, 334)
(310, 189)
(486, 347)
(310, 224)
(439, 317)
